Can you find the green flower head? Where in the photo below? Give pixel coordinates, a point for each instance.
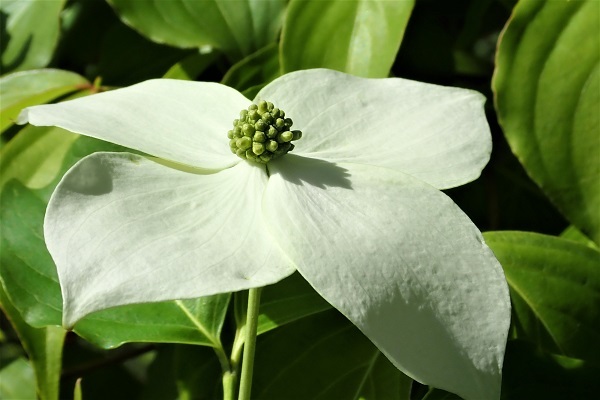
(262, 133)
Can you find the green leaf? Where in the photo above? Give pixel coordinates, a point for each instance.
(237, 28)
(359, 37)
(555, 291)
(16, 381)
(574, 234)
(35, 155)
(287, 301)
(547, 87)
(324, 357)
(44, 347)
(254, 71)
(198, 321)
(31, 30)
(532, 374)
(25, 265)
(191, 66)
(77, 395)
(23, 89)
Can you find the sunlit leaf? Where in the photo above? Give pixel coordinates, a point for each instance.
(574, 234)
(547, 85)
(237, 28)
(191, 66)
(35, 156)
(359, 37)
(27, 88)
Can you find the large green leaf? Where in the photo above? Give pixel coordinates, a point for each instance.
(324, 357)
(237, 28)
(44, 347)
(358, 37)
(31, 30)
(28, 88)
(555, 291)
(547, 86)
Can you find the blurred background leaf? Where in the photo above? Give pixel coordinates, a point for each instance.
(30, 31)
(28, 88)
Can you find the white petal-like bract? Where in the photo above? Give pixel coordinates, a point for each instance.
(402, 262)
(184, 122)
(435, 133)
(123, 229)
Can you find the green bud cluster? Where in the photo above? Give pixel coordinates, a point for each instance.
(262, 133)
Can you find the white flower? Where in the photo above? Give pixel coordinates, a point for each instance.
(355, 208)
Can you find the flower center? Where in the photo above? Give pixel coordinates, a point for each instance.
(262, 133)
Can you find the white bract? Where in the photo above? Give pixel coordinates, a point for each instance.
(355, 208)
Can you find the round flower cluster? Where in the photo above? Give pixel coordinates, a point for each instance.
(262, 133)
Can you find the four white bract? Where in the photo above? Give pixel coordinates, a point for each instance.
(356, 209)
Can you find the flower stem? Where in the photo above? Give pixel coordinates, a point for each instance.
(249, 343)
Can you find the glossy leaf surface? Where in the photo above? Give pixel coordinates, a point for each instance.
(237, 28)
(358, 37)
(547, 86)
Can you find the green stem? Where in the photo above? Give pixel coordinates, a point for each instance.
(229, 385)
(249, 343)
(229, 375)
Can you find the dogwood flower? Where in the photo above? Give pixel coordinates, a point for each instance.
(355, 208)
